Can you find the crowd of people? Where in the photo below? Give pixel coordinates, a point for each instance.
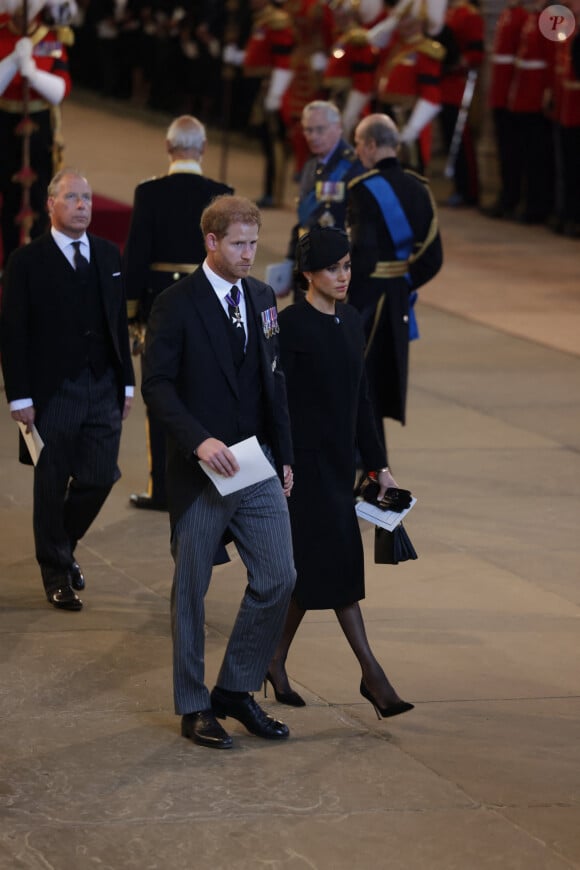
(254, 64)
(312, 388)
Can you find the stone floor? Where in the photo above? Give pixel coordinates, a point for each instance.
(482, 632)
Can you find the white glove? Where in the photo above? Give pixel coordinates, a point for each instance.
(233, 55)
(23, 50)
(8, 69)
(355, 103)
(49, 86)
(380, 35)
(422, 114)
(279, 81)
(318, 61)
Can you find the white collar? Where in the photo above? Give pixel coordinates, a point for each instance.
(219, 284)
(191, 166)
(63, 241)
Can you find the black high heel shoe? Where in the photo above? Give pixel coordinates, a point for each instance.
(390, 710)
(291, 698)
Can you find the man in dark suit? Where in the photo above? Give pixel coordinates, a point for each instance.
(67, 370)
(164, 244)
(211, 376)
(395, 249)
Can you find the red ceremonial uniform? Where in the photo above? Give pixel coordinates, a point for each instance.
(567, 88)
(533, 68)
(566, 99)
(505, 45)
(314, 25)
(352, 63)
(528, 98)
(49, 53)
(410, 69)
(268, 55)
(466, 23)
(50, 56)
(271, 42)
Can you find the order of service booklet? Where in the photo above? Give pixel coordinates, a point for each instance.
(254, 467)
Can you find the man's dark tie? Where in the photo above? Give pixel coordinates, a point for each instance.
(233, 300)
(81, 263)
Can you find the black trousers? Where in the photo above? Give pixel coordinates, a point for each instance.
(81, 430)
(156, 454)
(509, 159)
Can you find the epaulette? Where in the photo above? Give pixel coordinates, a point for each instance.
(357, 36)
(422, 178)
(66, 35)
(358, 178)
(275, 19)
(431, 48)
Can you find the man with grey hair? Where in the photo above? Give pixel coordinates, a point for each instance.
(395, 249)
(165, 243)
(322, 191)
(68, 373)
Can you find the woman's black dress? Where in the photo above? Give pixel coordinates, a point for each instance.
(322, 358)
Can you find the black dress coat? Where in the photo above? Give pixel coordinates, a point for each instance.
(190, 383)
(330, 412)
(39, 329)
(371, 242)
(165, 228)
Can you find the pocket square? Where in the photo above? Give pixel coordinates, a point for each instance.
(115, 274)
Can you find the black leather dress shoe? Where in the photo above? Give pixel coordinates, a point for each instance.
(65, 598)
(205, 730)
(146, 502)
(77, 580)
(249, 713)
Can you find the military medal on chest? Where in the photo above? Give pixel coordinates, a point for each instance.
(269, 319)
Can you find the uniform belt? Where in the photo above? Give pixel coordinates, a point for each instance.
(16, 107)
(503, 58)
(390, 269)
(530, 64)
(187, 268)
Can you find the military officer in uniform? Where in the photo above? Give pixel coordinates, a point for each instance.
(322, 192)
(40, 57)
(395, 249)
(165, 243)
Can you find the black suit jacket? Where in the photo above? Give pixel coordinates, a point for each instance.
(190, 383)
(164, 229)
(371, 242)
(38, 318)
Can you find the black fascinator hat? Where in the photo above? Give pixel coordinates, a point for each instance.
(321, 247)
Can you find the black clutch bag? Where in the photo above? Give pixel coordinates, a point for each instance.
(393, 547)
(393, 500)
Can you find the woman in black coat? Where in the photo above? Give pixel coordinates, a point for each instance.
(322, 355)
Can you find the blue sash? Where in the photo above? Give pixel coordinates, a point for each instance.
(309, 204)
(400, 231)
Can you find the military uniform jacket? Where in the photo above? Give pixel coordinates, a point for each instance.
(164, 230)
(371, 243)
(322, 193)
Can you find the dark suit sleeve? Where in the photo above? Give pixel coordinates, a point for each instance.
(14, 327)
(431, 258)
(137, 253)
(162, 371)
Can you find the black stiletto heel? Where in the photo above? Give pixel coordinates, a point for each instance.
(390, 710)
(291, 698)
